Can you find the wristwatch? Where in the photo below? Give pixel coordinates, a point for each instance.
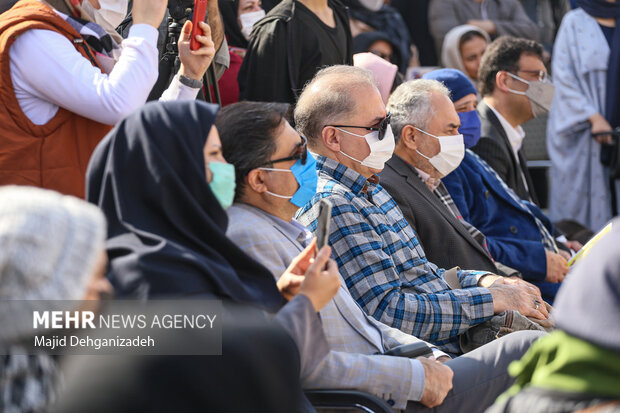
(189, 82)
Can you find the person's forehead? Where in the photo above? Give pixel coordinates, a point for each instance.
(368, 104)
(531, 62)
(465, 100)
(286, 139)
(444, 113)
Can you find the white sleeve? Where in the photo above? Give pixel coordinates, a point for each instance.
(178, 91)
(49, 67)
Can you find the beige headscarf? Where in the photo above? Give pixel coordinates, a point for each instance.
(450, 51)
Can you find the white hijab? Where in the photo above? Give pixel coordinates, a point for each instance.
(450, 51)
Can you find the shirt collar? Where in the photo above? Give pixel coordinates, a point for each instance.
(431, 183)
(356, 182)
(293, 228)
(515, 135)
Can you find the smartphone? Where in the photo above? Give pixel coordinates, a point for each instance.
(325, 216)
(413, 350)
(200, 12)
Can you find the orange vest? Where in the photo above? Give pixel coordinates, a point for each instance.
(54, 155)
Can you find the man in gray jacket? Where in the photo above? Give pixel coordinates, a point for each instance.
(274, 173)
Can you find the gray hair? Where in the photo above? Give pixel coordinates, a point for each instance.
(319, 107)
(410, 104)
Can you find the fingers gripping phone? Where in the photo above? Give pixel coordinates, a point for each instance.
(200, 12)
(325, 216)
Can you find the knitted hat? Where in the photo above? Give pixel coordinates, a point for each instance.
(49, 244)
(455, 80)
(588, 303)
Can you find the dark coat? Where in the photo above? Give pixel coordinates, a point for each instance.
(272, 66)
(445, 240)
(512, 234)
(494, 147)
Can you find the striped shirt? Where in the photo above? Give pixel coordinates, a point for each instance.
(384, 265)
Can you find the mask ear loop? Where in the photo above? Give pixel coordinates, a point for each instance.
(429, 134)
(518, 92)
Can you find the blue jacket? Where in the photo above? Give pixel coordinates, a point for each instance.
(512, 234)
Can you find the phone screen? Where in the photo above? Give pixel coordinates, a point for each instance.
(325, 215)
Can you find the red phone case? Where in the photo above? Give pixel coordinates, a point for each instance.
(200, 11)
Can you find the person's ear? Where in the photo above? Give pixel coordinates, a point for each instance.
(330, 138)
(409, 137)
(500, 81)
(256, 180)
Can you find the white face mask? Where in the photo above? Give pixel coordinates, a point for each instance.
(372, 5)
(248, 20)
(539, 93)
(380, 150)
(451, 153)
(109, 16)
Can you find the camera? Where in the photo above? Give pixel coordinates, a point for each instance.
(180, 9)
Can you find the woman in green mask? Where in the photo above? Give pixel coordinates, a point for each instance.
(577, 367)
(161, 180)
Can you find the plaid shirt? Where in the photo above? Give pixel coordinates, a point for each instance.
(384, 266)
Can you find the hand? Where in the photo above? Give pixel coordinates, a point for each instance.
(600, 124)
(557, 267)
(194, 63)
(564, 254)
(510, 293)
(437, 382)
(149, 12)
(322, 280)
(487, 280)
(486, 25)
(574, 245)
(291, 280)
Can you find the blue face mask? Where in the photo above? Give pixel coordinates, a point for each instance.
(306, 177)
(470, 128)
(223, 182)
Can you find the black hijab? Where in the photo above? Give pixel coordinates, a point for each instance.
(166, 228)
(363, 41)
(230, 13)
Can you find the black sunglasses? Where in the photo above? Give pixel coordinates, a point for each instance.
(381, 129)
(302, 154)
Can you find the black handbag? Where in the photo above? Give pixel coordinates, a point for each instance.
(610, 153)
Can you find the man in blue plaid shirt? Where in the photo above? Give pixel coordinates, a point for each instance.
(345, 121)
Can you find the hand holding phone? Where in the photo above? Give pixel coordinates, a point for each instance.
(200, 12)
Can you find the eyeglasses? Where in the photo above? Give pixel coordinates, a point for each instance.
(542, 75)
(301, 154)
(381, 129)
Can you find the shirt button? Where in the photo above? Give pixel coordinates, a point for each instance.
(513, 229)
(391, 402)
(486, 194)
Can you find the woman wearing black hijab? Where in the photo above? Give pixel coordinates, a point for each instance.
(167, 228)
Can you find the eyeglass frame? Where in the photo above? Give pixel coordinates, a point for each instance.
(381, 129)
(542, 75)
(302, 154)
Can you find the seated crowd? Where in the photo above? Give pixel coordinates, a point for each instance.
(436, 240)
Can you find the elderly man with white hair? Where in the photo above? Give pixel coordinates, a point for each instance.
(379, 256)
